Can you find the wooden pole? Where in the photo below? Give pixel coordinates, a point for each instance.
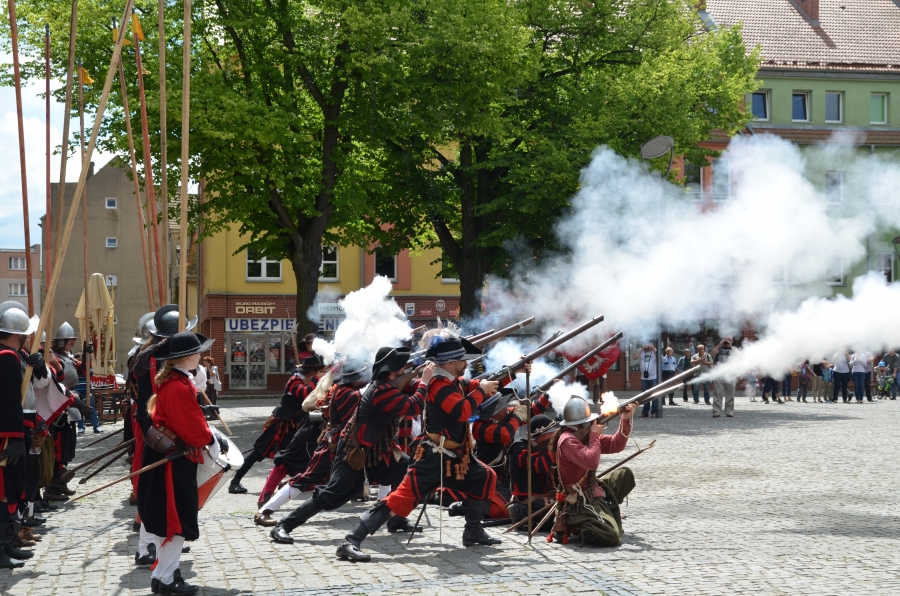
(14, 34)
(156, 464)
(137, 191)
(49, 307)
(86, 356)
(148, 168)
(48, 245)
(528, 438)
(163, 140)
(209, 403)
(185, 164)
(82, 179)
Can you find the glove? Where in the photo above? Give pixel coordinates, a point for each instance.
(88, 348)
(35, 361)
(223, 444)
(82, 406)
(521, 412)
(213, 448)
(15, 449)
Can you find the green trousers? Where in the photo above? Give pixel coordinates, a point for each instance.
(599, 523)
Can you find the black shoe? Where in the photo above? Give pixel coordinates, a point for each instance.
(17, 553)
(185, 549)
(178, 586)
(33, 521)
(46, 505)
(672, 402)
(7, 563)
(348, 550)
(280, 535)
(154, 585)
(235, 488)
(98, 431)
(473, 535)
(148, 559)
(136, 527)
(401, 524)
(456, 509)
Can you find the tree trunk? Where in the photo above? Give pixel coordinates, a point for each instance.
(471, 283)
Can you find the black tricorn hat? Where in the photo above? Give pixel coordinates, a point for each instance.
(311, 363)
(183, 344)
(390, 360)
(451, 349)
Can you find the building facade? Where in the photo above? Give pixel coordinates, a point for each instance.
(14, 283)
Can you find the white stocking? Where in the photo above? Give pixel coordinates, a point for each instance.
(282, 496)
(383, 491)
(145, 539)
(168, 556)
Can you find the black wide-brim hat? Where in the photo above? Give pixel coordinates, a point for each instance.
(183, 344)
(451, 349)
(311, 363)
(499, 402)
(390, 360)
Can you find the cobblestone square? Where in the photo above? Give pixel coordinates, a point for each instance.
(781, 499)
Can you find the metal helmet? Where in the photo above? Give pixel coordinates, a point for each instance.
(577, 412)
(144, 327)
(65, 332)
(15, 320)
(166, 321)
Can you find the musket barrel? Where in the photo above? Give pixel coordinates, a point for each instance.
(581, 361)
(483, 341)
(651, 393)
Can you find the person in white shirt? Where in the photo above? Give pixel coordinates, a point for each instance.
(199, 379)
(646, 356)
(858, 362)
(841, 362)
(723, 390)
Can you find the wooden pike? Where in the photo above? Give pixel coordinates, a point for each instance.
(48, 245)
(14, 35)
(105, 437)
(163, 141)
(148, 278)
(626, 460)
(528, 441)
(209, 403)
(525, 520)
(103, 467)
(152, 466)
(50, 296)
(540, 524)
(185, 164)
(84, 231)
(70, 473)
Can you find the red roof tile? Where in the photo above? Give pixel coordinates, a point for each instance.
(851, 34)
(808, 136)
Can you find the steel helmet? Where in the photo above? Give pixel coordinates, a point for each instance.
(15, 320)
(577, 412)
(144, 328)
(166, 321)
(65, 332)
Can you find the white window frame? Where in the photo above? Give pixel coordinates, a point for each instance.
(20, 289)
(114, 242)
(17, 261)
(262, 268)
(375, 267)
(889, 270)
(767, 94)
(720, 163)
(842, 280)
(808, 115)
(336, 262)
(840, 200)
(840, 96)
(695, 196)
(885, 116)
(114, 204)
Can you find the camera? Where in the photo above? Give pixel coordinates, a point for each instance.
(646, 374)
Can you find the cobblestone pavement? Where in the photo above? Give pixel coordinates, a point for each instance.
(781, 499)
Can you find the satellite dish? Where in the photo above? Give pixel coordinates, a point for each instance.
(657, 147)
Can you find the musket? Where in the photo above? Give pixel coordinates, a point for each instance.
(626, 460)
(486, 374)
(547, 346)
(100, 440)
(651, 393)
(526, 519)
(165, 460)
(103, 467)
(401, 381)
(478, 336)
(492, 337)
(70, 473)
(543, 388)
(418, 329)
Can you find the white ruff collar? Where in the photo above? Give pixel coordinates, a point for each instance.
(440, 372)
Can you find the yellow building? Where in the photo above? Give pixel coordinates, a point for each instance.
(248, 303)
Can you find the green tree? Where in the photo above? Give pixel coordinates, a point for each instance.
(488, 183)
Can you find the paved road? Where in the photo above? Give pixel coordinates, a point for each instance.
(781, 499)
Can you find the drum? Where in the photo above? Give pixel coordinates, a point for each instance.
(50, 402)
(212, 474)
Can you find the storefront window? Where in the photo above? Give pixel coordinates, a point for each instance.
(274, 353)
(247, 366)
(290, 354)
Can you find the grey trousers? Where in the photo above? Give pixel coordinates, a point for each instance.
(723, 390)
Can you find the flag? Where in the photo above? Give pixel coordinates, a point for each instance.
(116, 37)
(144, 71)
(136, 27)
(84, 76)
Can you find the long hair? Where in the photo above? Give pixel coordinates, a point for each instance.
(160, 378)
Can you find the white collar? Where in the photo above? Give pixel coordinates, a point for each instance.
(441, 372)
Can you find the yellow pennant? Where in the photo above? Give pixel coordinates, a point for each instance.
(116, 37)
(144, 71)
(84, 76)
(136, 27)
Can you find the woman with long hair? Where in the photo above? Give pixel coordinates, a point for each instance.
(167, 495)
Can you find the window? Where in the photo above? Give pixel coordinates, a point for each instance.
(112, 203)
(112, 242)
(834, 188)
(834, 272)
(328, 270)
(878, 108)
(834, 107)
(884, 262)
(448, 273)
(721, 172)
(759, 105)
(693, 180)
(17, 263)
(800, 106)
(260, 267)
(386, 265)
(18, 289)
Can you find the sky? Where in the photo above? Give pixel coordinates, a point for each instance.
(12, 230)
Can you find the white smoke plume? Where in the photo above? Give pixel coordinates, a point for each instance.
(509, 351)
(642, 252)
(561, 392)
(373, 320)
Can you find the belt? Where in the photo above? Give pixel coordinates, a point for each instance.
(446, 449)
(435, 438)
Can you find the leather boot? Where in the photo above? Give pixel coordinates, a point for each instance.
(299, 516)
(264, 519)
(457, 509)
(369, 523)
(7, 536)
(401, 524)
(235, 487)
(474, 531)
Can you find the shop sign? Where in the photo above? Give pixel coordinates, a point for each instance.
(252, 325)
(327, 324)
(331, 309)
(426, 313)
(254, 308)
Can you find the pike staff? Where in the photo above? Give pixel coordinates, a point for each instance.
(185, 164)
(86, 357)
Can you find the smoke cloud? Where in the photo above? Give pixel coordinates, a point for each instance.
(642, 251)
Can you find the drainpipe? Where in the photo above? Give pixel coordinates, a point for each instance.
(869, 235)
(362, 267)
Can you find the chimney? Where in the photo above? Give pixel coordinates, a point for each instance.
(809, 9)
(90, 170)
